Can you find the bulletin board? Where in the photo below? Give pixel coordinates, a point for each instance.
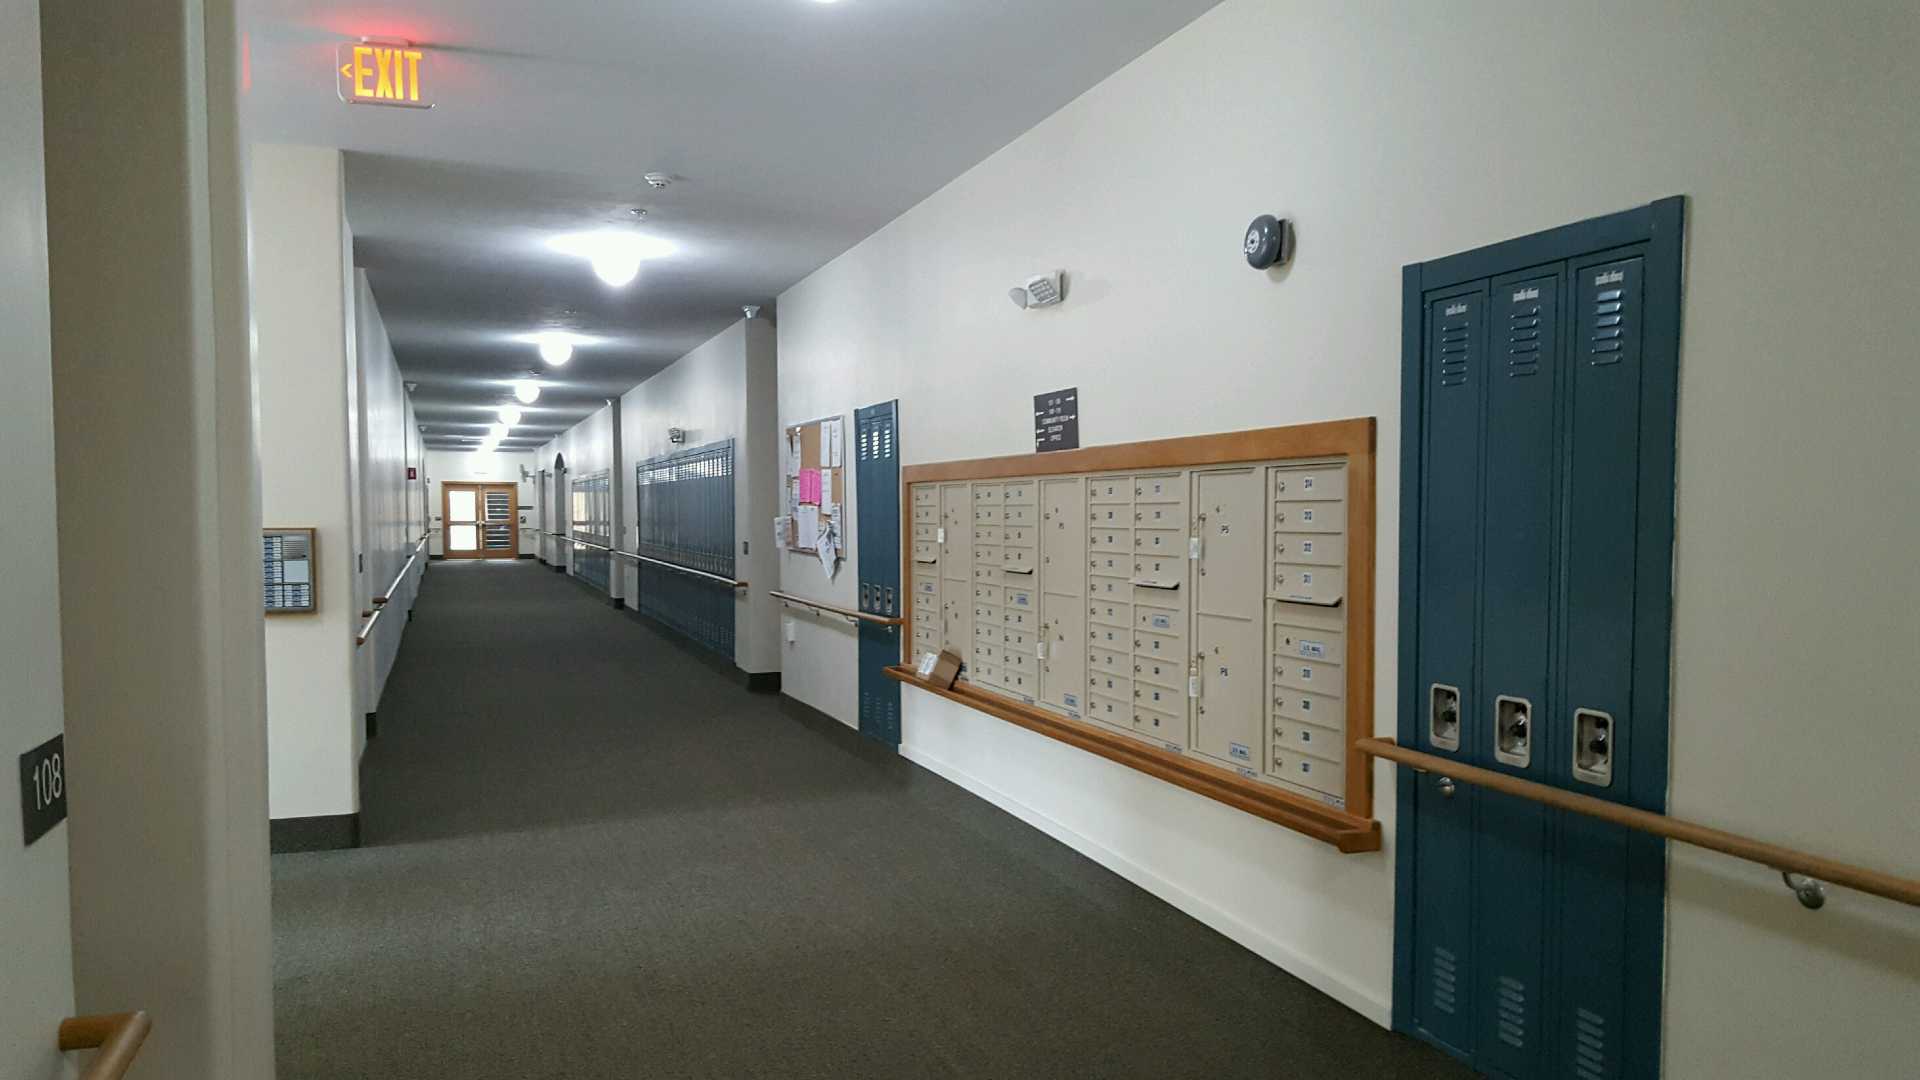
(815, 483)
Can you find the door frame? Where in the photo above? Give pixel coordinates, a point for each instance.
(479, 488)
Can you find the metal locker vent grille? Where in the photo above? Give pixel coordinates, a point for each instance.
(1445, 981)
(1589, 1045)
(1523, 340)
(1607, 316)
(1455, 345)
(1513, 1011)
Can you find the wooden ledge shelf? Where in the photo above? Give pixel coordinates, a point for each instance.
(1345, 832)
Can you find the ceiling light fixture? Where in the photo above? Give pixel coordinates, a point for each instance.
(510, 414)
(615, 254)
(526, 390)
(555, 348)
(497, 432)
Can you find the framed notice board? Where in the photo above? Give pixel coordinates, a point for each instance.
(287, 571)
(816, 488)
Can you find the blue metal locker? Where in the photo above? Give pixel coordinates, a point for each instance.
(1537, 473)
(877, 479)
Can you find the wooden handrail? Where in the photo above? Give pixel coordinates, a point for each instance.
(830, 609)
(116, 1035)
(1784, 859)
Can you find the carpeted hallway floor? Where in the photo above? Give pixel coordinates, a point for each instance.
(590, 855)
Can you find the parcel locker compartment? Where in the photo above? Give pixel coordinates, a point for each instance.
(1110, 564)
(988, 513)
(1230, 713)
(1160, 571)
(1310, 483)
(926, 551)
(1165, 699)
(1108, 710)
(1313, 676)
(1020, 596)
(1021, 514)
(1166, 727)
(1170, 646)
(989, 594)
(1323, 585)
(1171, 542)
(1107, 538)
(1018, 559)
(1291, 736)
(1160, 620)
(1315, 517)
(1102, 636)
(1100, 587)
(1111, 662)
(1110, 612)
(1112, 686)
(1309, 708)
(1167, 671)
(1019, 491)
(1110, 489)
(1314, 549)
(1022, 536)
(958, 627)
(1063, 667)
(1160, 488)
(1110, 515)
(926, 515)
(1317, 774)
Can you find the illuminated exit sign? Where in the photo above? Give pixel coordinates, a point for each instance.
(380, 73)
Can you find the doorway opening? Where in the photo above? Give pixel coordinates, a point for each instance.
(480, 521)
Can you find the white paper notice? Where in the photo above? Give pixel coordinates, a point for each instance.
(833, 443)
(809, 524)
(826, 488)
(294, 571)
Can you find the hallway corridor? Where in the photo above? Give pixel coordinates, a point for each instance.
(590, 855)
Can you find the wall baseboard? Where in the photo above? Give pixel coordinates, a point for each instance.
(328, 832)
(373, 725)
(824, 725)
(763, 682)
(530, 555)
(436, 558)
(1376, 1009)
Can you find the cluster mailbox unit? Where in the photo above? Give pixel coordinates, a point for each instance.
(1199, 608)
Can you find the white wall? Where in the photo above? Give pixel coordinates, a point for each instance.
(300, 267)
(588, 449)
(1393, 134)
(153, 421)
(35, 937)
(724, 389)
(498, 467)
(388, 510)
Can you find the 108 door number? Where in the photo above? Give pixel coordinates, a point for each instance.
(43, 788)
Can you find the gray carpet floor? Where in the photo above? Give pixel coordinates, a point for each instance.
(589, 854)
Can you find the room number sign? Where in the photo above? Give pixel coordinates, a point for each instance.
(43, 787)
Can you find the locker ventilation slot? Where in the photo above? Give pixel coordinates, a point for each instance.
(1605, 346)
(1453, 353)
(1523, 341)
(1513, 1011)
(1444, 981)
(1590, 1046)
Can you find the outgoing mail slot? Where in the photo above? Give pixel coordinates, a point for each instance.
(926, 551)
(1316, 549)
(1167, 671)
(1160, 620)
(1294, 737)
(1328, 680)
(1309, 483)
(1316, 709)
(1159, 488)
(1320, 517)
(926, 515)
(1170, 542)
(989, 594)
(1104, 539)
(1324, 585)
(1164, 572)
(1164, 699)
(1108, 661)
(1108, 710)
(1110, 489)
(1109, 612)
(1308, 643)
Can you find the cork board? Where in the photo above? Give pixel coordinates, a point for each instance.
(814, 480)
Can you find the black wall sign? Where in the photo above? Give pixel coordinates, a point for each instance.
(1056, 420)
(43, 787)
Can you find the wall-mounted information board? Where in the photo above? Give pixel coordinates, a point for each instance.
(287, 570)
(1199, 608)
(815, 480)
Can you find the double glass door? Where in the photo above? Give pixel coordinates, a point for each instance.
(481, 521)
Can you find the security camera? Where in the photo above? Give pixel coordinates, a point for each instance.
(1045, 290)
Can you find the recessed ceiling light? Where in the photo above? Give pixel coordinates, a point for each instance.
(615, 254)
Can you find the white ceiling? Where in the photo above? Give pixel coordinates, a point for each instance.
(795, 129)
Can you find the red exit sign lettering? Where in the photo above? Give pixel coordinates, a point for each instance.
(380, 73)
